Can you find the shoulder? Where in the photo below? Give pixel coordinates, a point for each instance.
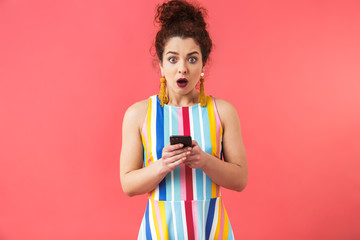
(136, 113)
(224, 107)
(226, 110)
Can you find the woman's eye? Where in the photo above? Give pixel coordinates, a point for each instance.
(172, 59)
(192, 59)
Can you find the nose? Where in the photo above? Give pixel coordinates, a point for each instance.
(182, 67)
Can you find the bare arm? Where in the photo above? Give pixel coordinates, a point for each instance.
(134, 179)
(232, 173)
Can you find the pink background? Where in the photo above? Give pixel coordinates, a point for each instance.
(69, 69)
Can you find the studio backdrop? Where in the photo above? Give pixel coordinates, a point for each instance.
(70, 69)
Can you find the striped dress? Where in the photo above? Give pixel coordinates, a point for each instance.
(186, 204)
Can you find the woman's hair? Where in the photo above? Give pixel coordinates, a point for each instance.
(179, 18)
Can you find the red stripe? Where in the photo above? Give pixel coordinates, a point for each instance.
(189, 183)
(188, 171)
(189, 220)
(186, 121)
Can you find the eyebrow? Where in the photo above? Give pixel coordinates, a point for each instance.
(171, 52)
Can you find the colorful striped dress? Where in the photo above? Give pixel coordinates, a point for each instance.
(186, 204)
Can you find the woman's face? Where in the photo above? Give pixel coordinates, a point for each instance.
(181, 65)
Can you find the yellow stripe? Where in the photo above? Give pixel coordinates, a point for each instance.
(212, 124)
(218, 220)
(213, 190)
(149, 128)
(154, 219)
(226, 225)
(146, 161)
(151, 159)
(163, 220)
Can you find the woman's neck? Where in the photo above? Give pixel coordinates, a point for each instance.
(184, 100)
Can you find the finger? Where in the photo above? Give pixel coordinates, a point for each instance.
(173, 165)
(194, 143)
(192, 158)
(190, 165)
(170, 148)
(176, 157)
(177, 152)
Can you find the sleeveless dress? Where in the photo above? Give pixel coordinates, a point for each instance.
(186, 204)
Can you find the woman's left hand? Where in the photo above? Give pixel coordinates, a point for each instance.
(196, 159)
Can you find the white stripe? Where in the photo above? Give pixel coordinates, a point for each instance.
(144, 230)
(151, 221)
(141, 232)
(201, 130)
(215, 220)
(193, 171)
(172, 172)
(174, 218)
(170, 121)
(184, 219)
(153, 136)
(204, 223)
(191, 123)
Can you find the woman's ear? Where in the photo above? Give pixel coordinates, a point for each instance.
(161, 69)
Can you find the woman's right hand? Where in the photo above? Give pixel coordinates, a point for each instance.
(173, 156)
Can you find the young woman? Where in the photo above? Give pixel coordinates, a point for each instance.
(183, 183)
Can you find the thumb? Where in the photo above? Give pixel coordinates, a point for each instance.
(194, 143)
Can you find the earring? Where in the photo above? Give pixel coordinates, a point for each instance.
(202, 99)
(162, 95)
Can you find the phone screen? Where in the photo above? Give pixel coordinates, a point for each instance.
(186, 140)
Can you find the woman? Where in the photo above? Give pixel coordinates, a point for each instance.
(183, 183)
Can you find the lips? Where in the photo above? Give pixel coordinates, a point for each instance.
(182, 82)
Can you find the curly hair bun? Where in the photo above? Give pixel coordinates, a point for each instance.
(182, 19)
(179, 12)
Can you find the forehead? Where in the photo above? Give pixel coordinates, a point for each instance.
(181, 45)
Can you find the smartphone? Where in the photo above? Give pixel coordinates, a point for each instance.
(186, 140)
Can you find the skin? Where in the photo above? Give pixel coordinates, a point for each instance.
(182, 59)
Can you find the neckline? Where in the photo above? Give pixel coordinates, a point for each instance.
(191, 106)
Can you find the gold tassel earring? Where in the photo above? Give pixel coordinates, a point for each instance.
(202, 99)
(162, 95)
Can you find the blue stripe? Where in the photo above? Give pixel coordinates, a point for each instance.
(208, 146)
(147, 223)
(200, 218)
(199, 184)
(210, 218)
(177, 187)
(206, 126)
(175, 131)
(145, 160)
(169, 218)
(231, 234)
(197, 137)
(160, 145)
(179, 221)
(174, 122)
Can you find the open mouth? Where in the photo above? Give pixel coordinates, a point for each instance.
(182, 82)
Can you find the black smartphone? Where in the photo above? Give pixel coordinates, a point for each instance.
(186, 140)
